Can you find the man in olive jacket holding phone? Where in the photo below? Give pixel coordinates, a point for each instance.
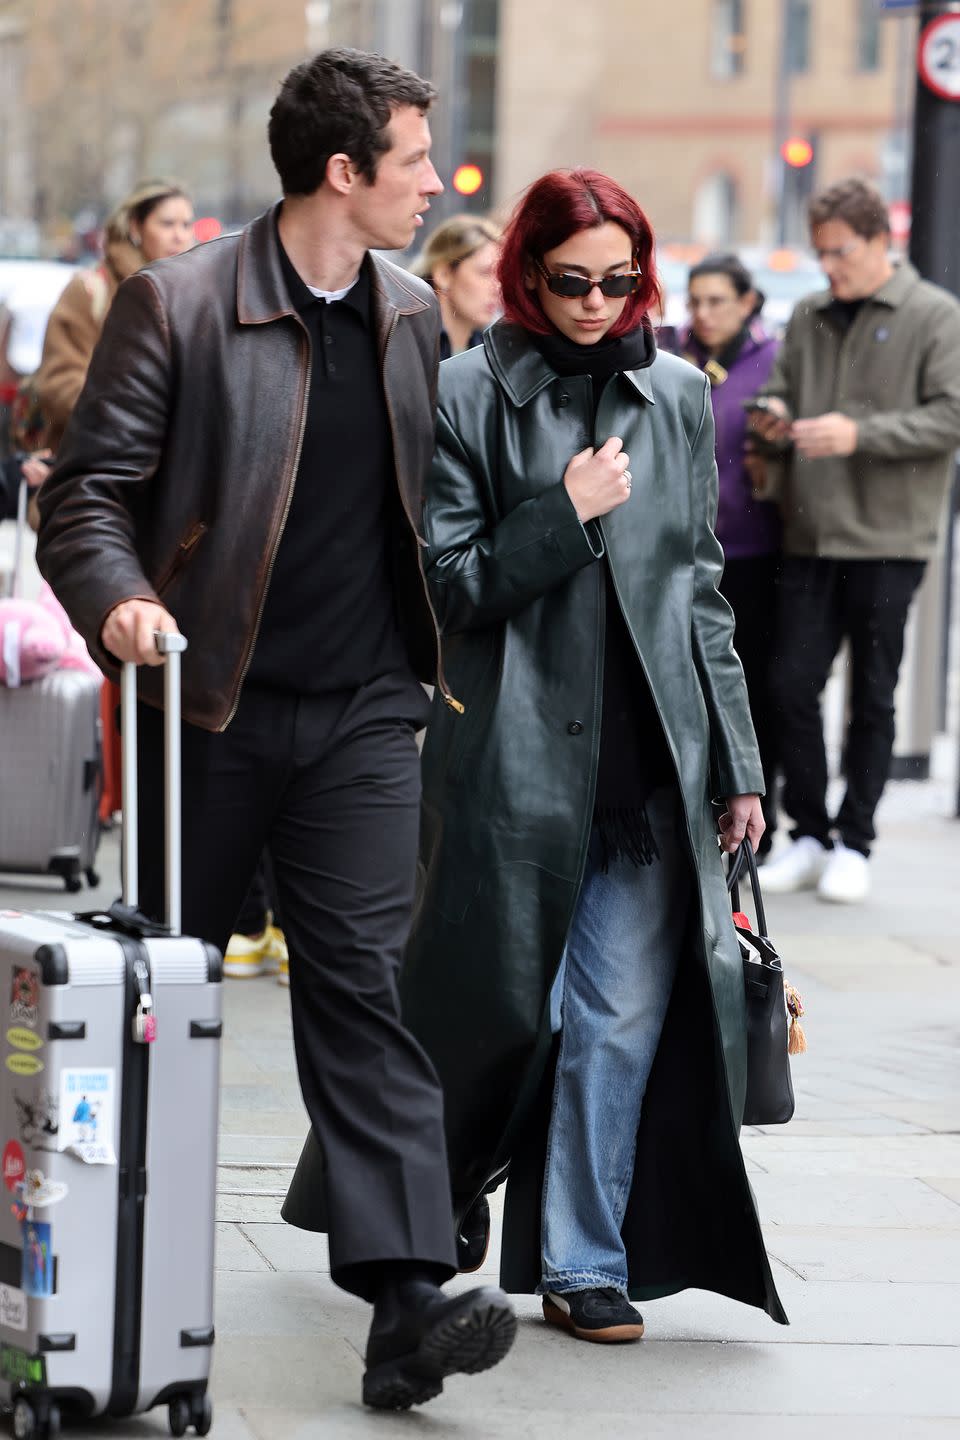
(864, 401)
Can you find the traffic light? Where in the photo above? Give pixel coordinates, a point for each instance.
(467, 179)
(798, 155)
(797, 152)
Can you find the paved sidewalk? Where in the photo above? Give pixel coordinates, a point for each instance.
(860, 1197)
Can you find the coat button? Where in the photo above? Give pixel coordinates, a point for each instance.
(575, 727)
(564, 400)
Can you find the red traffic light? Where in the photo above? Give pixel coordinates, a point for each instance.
(797, 152)
(207, 227)
(467, 179)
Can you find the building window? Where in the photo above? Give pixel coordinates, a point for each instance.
(868, 35)
(728, 42)
(798, 36)
(715, 207)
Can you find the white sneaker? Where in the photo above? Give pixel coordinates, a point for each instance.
(797, 868)
(846, 877)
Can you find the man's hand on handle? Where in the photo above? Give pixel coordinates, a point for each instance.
(129, 629)
(743, 816)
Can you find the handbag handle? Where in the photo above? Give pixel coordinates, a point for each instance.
(745, 858)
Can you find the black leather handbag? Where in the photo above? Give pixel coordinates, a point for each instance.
(773, 1030)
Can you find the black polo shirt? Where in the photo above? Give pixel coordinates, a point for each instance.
(329, 622)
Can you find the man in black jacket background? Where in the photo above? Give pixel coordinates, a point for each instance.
(246, 461)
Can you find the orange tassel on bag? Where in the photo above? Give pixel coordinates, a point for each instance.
(797, 1040)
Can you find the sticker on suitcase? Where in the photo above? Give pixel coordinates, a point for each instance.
(14, 1164)
(37, 1120)
(87, 1102)
(23, 1039)
(13, 1308)
(18, 1367)
(37, 1277)
(25, 997)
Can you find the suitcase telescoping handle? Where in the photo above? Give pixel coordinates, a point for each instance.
(16, 575)
(171, 646)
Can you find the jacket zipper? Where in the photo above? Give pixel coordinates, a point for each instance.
(248, 658)
(449, 699)
(184, 550)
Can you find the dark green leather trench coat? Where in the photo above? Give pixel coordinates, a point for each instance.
(508, 793)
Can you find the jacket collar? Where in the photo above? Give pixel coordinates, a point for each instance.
(262, 293)
(523, 372)
(892, 293)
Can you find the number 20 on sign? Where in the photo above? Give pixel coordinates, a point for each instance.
(938, 56)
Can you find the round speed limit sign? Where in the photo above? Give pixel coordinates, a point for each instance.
(938, 56)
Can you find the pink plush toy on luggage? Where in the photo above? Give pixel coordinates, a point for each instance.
(35, 638)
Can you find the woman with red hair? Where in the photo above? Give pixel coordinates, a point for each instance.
(573, 970)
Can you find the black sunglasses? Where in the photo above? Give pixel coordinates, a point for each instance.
(576, 287)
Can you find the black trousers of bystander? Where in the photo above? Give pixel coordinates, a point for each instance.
(822, 602)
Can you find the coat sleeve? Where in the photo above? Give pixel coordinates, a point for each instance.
(735, 760)
(932, 427)
(481, 568)
(68, 344)
(87, 546)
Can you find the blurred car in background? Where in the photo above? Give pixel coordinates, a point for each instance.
(29, 289)
(784, 275)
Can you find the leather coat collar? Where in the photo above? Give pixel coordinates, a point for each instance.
(522, 370)
(262, 294)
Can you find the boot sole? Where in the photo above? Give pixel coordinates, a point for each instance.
(609, 1335)
(468, 1340)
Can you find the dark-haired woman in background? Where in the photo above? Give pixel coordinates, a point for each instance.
(573, 879)
(728, 343)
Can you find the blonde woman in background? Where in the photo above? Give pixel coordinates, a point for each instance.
(460, 262)
(154, 222)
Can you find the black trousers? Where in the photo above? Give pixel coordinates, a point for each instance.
(749, 585)
(821, 603)
(261, 901)
(330, 786)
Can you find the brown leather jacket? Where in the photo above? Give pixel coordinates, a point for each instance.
(177, 468)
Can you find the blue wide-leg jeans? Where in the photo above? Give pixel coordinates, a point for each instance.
(609, 1001)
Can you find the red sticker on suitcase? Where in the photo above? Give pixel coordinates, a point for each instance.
(14, 1164)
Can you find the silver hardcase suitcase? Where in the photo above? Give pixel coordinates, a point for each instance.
(108, 1101)
(51, 757)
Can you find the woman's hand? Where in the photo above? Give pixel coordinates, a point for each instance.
(36, 468)
(598, 481)
(743, 817)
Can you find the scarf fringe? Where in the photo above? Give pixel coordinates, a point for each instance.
(625, 835)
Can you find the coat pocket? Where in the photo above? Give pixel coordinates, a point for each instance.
(182, 555)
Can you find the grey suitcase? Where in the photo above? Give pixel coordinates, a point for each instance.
(51, 757)
(108, 1102)
(50, 766)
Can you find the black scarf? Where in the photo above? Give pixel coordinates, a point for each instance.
(634, 759)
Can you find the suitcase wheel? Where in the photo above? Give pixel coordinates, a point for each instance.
(186, 1410)
(28, 1424)
(202, 1414)
(178, 1415)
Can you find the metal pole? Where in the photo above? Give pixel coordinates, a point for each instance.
(935, 206)
(781, 121)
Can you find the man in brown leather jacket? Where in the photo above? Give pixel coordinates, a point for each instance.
(246, 463)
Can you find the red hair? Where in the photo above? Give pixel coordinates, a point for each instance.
(558, 205)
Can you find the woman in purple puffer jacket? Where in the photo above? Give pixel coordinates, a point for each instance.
(727, 342)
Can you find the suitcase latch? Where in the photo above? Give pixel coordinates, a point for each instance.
(144, 1020)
